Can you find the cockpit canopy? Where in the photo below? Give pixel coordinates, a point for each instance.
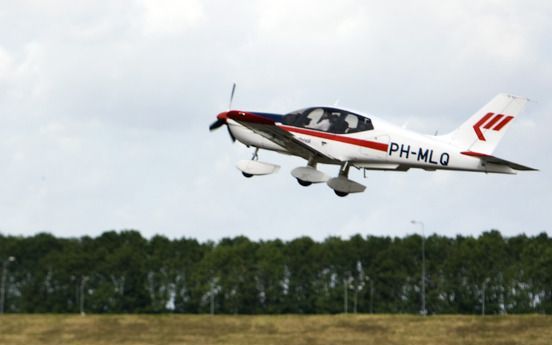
(330, 120)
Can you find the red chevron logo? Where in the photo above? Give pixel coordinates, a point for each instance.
(491, 121)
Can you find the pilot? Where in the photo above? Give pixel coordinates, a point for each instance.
(324, 123)
(338, 125)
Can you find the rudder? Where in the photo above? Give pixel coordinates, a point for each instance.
(483, 131)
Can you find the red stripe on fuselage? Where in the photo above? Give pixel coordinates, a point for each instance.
(347, 140)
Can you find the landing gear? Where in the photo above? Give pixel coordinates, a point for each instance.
(309, 175)
(341, 184)
(255, 157)
(304, 183)
(253, 167)
(340, 194)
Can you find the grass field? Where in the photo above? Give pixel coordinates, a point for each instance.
(286, 329)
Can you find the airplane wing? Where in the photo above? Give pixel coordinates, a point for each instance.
(268, 129)
(499, 161)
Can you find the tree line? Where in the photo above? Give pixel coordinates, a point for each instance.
(123, 272)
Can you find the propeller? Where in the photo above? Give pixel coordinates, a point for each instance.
(216, 124)
(231, 96)
(222, 120)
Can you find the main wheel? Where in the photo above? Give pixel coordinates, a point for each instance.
(247, 175)
(304, 183)
(340, 194)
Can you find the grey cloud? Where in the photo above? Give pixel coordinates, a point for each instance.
(105, 108)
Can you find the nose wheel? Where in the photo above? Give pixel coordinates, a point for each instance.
(255, 157)
(253, 167)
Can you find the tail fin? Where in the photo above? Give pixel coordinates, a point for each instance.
(484, 130)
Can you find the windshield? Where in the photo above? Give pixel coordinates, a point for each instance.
(328, 120)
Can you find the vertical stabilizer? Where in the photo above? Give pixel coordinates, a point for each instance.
(483, 131)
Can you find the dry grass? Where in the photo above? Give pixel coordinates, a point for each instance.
(285, 329)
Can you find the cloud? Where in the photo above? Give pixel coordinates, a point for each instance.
(105, 108)
(171, 17)
(5, 63)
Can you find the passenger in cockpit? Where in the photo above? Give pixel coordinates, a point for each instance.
(323, 123)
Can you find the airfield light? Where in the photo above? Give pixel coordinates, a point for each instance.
(371, 295)
(345, 296)
(212, 301)
(484, 287)
(423, 311)
(84, 279)
(3, 285)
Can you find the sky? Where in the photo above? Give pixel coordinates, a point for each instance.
(105, 108)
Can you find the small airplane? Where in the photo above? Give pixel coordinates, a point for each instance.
(338, 136)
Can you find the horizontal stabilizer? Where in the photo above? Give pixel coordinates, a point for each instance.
(498, 161)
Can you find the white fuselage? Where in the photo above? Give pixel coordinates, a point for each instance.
(386, 147)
